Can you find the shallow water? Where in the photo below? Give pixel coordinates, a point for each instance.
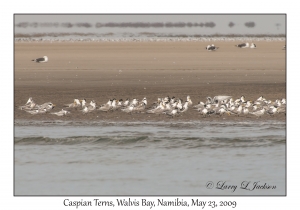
(101, 158)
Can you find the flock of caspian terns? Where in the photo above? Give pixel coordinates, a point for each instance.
(218, 105)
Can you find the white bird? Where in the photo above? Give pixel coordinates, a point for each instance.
(179, 105)
(259, 113)
(85, 110)
(75, 104)
(140, 107)
(217, 99)
(254, 108)
(199, 105)
(126, 103)
(114, 105)
(248, 104)
(30, 104)
(83, 103)
(92, 106)
(157, 104)
(173, 112)
(106, 107)
(204, 111)
(48, 106)
(220, 110)
(272, 111)
(119, 104)
(38, 111)
(188, 98)
(211, 47)
(245, 111)
(144, 100)
(237, 111)
(41, 60)
(166, 99)
(253, 46)
(134, 102)
(30, 100)
(61, 113)
(158, 110)
(281, 109)
(185, 107)
(260, 98)
(128, 109)
(240, 100)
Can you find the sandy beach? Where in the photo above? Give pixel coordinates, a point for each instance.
(104, 70)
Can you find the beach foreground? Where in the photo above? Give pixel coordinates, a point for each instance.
(104, 70)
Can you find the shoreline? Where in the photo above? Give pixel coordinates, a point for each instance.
(170, 122)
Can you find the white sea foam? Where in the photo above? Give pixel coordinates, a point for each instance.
(152, 39)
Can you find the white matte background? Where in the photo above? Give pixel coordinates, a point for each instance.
(8, 201)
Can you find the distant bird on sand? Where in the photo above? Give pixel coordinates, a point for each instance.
(211, 47)
(244, 45)
(253, 46)
(41, 60)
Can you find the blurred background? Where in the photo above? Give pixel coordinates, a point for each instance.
(148, 25)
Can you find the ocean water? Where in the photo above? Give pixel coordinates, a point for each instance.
(123, 158)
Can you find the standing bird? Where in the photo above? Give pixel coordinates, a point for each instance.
(188, 99)
(83, 102)
(41, 60)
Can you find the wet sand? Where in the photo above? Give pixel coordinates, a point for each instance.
(106, 70)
